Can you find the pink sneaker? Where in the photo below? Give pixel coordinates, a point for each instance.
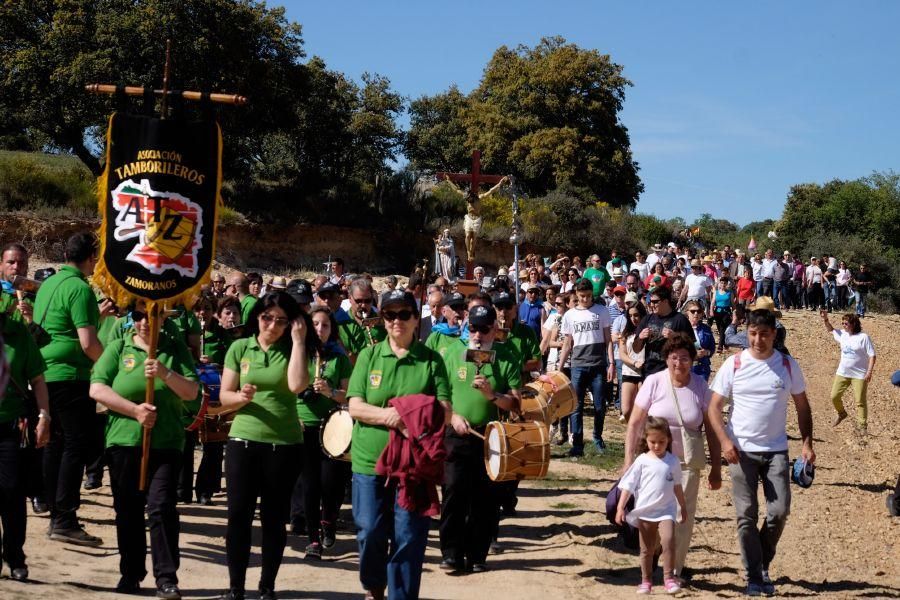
(672, 586)
(644, 588)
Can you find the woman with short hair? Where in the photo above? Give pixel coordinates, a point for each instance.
(855, 369)
(704, 340)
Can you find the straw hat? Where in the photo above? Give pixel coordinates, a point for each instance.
(765, 303)
(278, 283)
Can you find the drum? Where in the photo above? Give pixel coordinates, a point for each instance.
(561, 395)
(535, 405)
(336, 433)
(211, 380)
(215, 428)
(516, 450)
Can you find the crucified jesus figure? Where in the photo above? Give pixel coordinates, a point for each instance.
(473, 221)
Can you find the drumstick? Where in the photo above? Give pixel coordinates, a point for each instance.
(475, 433)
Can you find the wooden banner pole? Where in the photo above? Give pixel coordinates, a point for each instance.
(153, 316)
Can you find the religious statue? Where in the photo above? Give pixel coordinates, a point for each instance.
(445, 256)
(472, 221)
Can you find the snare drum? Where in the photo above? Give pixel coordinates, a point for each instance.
(215, 428)
(516, 450)
(336, 433)
(559, 391)
(535, 405)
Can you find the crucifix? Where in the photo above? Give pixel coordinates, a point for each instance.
(472, 222)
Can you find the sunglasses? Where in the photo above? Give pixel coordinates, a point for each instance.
(652, 301)
(695, 311)
(559, 303)
(138, 316)
(480, 328)
(363, 300)
(400, 315)
(267, 318)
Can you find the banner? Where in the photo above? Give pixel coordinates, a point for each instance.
(159, 198)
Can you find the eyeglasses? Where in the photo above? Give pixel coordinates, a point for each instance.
(652, 301)
(480, 328)
(400, 315)
(679, 359)
(363, 300)
(532, 292)
(267, 318)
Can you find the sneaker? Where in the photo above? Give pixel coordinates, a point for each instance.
(576, 451)
(672, 586)
(892, 507)
(479, 568)
(168, 591)
(78, 536)
(645, 588)
(328, 535)
(600, 446)
(314, 551)
(754, 589)
(840, 417)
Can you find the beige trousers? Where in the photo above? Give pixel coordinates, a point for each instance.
(690, 483)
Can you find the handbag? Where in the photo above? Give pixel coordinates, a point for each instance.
(691, 440)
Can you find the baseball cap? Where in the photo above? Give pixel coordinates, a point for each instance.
(455, 300)
(300, 290)
(803, 472)
(620, 290)
(502, 299)
(631, 297)
(43, 274)
(328, 288)
(482, 316)
(398, 298)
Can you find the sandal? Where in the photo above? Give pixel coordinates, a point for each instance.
(644, 588)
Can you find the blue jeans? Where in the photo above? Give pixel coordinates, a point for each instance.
(619, 384)
(779, 295)
(582, 377)
(861, 303)
(830, 291)
(380, 521)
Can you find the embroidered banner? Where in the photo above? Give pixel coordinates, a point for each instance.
(159, 198)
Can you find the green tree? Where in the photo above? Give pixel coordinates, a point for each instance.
(377, 138)
(51, 49)
(436, 140)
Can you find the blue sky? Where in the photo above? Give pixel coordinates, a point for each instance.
(732, 102)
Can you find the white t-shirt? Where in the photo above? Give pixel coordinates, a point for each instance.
(653, 258)
(587, 327)
(813, 275)
(635, 356)
(855, 352)
(757, 270)
(698, 285)
(642, 268)
(652, 480)
(759, 391)
(768, 267)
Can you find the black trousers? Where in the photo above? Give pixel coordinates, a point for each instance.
(72, 429)
(186, 476)
(267, 472)
(12, 495)
(209, 473)
(32, 459)
(162, 514)
(96, 453)
(319, 491)
(814, 298)
(469, 507)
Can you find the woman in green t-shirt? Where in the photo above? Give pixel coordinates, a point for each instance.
(319, 492)
(263, 375)
(398, 366)
(220, 322)
(23, 364)
(119, 381)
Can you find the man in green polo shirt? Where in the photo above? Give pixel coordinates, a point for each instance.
(68, 310)
(14, 263)
(522, 338)
(597, 275)
(469, 506)
(353, 335)
(238, 285)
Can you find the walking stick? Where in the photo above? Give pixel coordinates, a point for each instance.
(153, 316)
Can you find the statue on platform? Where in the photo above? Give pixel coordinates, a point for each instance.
(472, 221)
(445, 256)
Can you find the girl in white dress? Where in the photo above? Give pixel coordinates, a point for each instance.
(655, 481)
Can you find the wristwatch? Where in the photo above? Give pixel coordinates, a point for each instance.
(44, 414)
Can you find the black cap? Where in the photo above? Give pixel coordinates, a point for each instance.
(43, 274)
(455, 300)
(502, 299)
(482, 316)
(328, 288)
(398, 298)
(300, 290)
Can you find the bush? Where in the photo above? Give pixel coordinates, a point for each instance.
(30, 181)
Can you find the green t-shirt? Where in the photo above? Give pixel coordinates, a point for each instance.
(335, 369)
(9, 305)
(186, 322)
(216, 341)
(524, 342)
(25, 363)
(355, 339)
(271, 417)
(598, 278)
(247, 304)
(504, 374)
(122, 325)
(379, 376)
(104, 331)
(70, 304)
(440, 342)
(121, 367)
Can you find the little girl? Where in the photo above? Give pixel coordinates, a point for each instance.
(655, 480)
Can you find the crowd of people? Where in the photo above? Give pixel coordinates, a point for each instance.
(634, 336)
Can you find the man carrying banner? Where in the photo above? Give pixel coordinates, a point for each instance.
(66, 309)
